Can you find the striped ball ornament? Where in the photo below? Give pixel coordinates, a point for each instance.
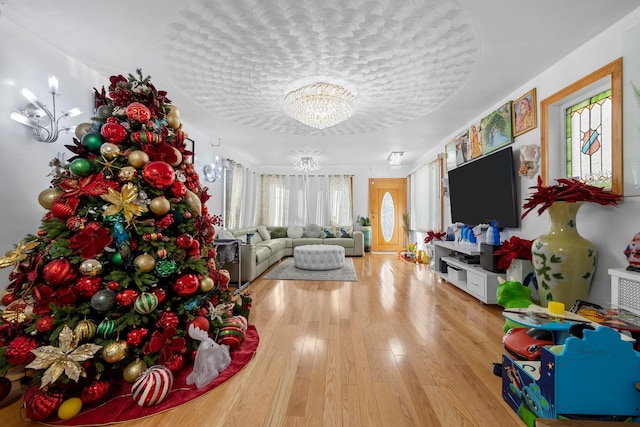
(152, 386)
(106, 328)
(146, 303)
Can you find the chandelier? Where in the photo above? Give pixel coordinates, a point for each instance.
(306, 165)
(320, 105)
(45, 123)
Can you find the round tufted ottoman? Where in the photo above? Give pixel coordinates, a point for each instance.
(318, 257)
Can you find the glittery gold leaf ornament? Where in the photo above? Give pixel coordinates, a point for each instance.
(67, 358)
(125, 201)
(17, 255)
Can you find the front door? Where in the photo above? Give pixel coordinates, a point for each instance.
(387, 206)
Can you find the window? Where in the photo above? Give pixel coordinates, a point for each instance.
(557, 160)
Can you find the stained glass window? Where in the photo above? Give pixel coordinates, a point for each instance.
(588, 148)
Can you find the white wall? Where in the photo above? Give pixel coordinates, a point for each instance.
(610, 228)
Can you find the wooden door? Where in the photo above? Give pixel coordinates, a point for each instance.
(387, 205)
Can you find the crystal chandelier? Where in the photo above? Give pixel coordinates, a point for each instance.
(320, 105)
(45, 123)
(306, 165)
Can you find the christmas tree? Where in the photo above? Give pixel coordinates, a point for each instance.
(124, 259)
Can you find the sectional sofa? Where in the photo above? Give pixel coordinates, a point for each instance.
(268, 245)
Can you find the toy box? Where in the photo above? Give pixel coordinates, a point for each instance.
(590, 378)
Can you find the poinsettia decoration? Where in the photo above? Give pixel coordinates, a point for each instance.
(437, 235)
(567, 190)
(514, 248)
(91, 240)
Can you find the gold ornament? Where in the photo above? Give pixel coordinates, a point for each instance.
(173, 110)
(109, 151)
(144, 263)
(206, 284)
(48, 196)
(67, 358)
(138, 158)
(178, 157)
(21, 252)
(173, 121)
(195, 205)
(83, 128)
(17, 312)
(159, 205)
(125, 201)
(85, 329)
(127, 173)
(90, 267)
(115, 351)
(133, 370)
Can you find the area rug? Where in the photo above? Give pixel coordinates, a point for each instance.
(287, 271)
(122, 407)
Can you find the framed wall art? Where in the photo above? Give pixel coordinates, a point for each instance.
(523, 112)
(496, 129)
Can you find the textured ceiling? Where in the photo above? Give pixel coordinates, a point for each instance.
(402, 62)
(422, 69)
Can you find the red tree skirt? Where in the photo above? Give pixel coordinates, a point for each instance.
(123, 408)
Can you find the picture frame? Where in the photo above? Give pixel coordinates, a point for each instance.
(524, 113)
(450, 154)
(475, 140)
(496, 129)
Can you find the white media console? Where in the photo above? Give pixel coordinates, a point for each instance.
(454, 262)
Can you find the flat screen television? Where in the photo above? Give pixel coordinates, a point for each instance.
(484, 190)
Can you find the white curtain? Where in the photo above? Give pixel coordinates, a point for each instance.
(285, 200)
(426, 199)
(240, 195)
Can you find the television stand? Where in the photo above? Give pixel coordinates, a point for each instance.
(468, 276)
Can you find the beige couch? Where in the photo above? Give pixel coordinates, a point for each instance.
(260, 254)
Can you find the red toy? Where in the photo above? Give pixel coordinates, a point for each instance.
(526, 343)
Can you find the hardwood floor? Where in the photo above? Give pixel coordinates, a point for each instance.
(397, 348)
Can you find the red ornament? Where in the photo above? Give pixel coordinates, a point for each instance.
(161, 294)
(186, 285)
(194, 250)
(63, 209)
(159, 174)
(138, 112)
(152, 386)
(113, 131)
(136, 336)
(201, 322)
(168, 319)
(95, 392)
(43, 404)
(19, 350)
(184, 241)
(58, 272)
(178, 189)
(86, 286)
(126, 297)
(113, 285)
(44, 324)
(146, 137)
(161, 253)
(8, 299)
(232, 336)
(175, 362)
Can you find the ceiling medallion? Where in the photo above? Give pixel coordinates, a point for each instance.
(320, 105)
(306, 165)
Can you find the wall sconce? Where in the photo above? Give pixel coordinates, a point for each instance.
(213, 171)
(45, 123)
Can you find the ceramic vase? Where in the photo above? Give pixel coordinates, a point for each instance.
(366, 234)
(563, 260)
(522, 271)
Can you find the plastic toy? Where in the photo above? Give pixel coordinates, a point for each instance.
(211, 358)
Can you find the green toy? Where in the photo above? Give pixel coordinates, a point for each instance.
(512, 294)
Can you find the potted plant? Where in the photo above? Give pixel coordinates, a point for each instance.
(365, 224)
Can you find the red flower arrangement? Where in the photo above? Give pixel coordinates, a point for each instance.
(514, 248)
(567, 190)
(437, 235)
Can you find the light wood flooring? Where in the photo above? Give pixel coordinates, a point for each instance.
(397, 348)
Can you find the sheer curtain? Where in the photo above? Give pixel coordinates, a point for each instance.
(285, 200)
(240, 197)
(426, 197)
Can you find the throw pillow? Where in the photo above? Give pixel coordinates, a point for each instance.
(278, 232)
(295, 231)
(226, 235)
(312, 231)
(264, 233)
(328, 234)
(346, 232)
